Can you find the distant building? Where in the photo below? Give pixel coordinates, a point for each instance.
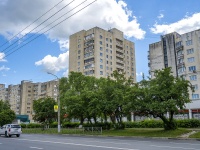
(182, 54)
(21, 96)
(97, 52)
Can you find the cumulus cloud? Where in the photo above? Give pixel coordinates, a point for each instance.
(102, 13)
(2, 55)
(64, 44)
(3, 68)
(184, 25)
(54, 64)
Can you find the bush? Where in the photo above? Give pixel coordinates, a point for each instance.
(70, 124)
(104, 125)
(188, 123)
(144, 124)
(119, 126)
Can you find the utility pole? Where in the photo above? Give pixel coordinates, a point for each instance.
(58, 99)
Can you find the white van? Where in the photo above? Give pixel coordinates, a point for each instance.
(11, 129)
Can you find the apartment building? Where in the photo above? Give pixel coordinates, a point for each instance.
(3, 92)
(181, 52)
(98, 52)
(21, 96)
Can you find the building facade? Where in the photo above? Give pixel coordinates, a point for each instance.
(181, 52)
(21, 96)
(97, 52)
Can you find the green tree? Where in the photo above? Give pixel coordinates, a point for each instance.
(159, 96)
(6, 114)
(44, 110)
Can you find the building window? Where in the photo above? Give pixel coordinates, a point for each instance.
(101, 60)
(110, 57)
(100, 42)
(189, 42)
(79, 51)
(110, 41)
(110, 63)
(107, 74)
(107, 50)
(78, 63)
(107, 39)
(182, 69)
(190, 51)
(106, 56)
(106, 62)
(107, 68)
(79, 45)
(101, 48)
(195, 87)
(101, 72)
(78, 69)
(111, 51)
(110, 46)
(110, 69)
(101, 54)
(101, 66)
(192, 68)
(180, 52)
(79, 57)
(195, 96)
(106, 45)
(193, 78)
(100, 36)
(191, 59)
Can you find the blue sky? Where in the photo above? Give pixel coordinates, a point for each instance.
(141, 21)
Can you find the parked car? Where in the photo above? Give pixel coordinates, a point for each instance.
(11, 129)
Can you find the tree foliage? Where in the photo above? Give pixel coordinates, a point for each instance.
(44, 110)
(87, 98)
(159, 96)
(6, 114)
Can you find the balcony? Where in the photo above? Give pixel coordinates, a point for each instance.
(179, 48)
(120, 56)
(120, 61)
(181, 65)
(181, 56)
(120, 67)
(119, 50)
(149, 64)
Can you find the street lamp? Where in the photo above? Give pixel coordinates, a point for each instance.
(58, 98)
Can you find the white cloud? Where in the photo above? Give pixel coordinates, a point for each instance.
(139, 74)
(54, 64)
(64, 44)
(2, 55)
(184, 25)
(102, 13)
(3, 68)
(160, 16)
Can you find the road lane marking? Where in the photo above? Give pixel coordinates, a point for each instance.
(173, 147)
(36, 148)
(86, 145)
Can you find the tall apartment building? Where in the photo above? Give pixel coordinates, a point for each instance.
(3, 92)
(21, 96)
(97, 52)
(182, 54)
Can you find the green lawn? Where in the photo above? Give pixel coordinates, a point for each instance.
(196, 135)
(142, 132)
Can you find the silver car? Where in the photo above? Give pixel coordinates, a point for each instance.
(11, 129)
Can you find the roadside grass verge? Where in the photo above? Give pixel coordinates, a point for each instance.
(144, 132)
(196, 135)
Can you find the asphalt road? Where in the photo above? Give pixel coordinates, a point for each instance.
(66, 142)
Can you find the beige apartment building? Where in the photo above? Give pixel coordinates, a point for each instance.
(181, 52)
(21, 96)
(98, 52)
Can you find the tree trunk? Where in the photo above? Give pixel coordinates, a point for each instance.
(169, 124)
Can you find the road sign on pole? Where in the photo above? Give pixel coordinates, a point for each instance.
(55, 108)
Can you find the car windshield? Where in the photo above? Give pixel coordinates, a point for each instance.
(15, 126)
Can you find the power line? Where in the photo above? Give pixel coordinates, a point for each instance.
(50, 28)
(38, 25)
(50, 24)
(31, 23)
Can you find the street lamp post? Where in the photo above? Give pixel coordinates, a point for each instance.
(58, 98)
